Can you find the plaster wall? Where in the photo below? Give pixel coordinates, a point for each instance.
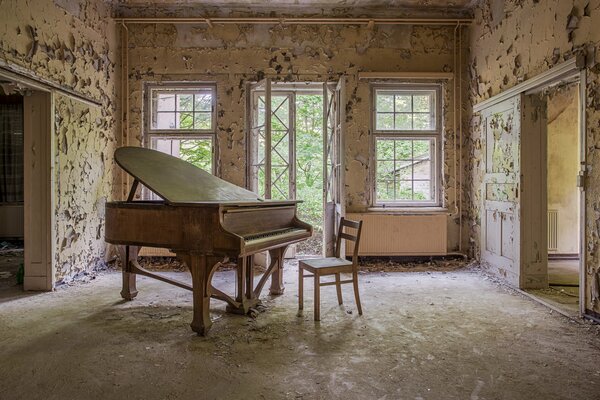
(563, 166)
(233, 55)
(512, 41)
(71, 44)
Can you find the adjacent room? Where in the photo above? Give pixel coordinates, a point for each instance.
(317, 199)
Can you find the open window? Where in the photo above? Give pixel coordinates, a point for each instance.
(407, 130)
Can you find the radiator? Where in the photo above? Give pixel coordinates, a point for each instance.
(552, 230)
(401, 235)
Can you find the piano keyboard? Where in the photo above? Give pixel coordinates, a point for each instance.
(276, 234)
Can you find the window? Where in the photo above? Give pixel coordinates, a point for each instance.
(181, 121)
(407, 136)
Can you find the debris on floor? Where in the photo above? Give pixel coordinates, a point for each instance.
(395, 264)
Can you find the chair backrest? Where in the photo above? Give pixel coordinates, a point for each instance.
(357, 226)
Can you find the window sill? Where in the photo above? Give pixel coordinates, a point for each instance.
(409, 210)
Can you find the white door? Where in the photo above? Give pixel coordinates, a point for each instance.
(500, 233)
(513, 217)
(333, 163)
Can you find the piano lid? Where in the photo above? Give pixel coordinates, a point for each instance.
(176, 180)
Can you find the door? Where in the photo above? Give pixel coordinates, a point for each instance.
(500, 212)
(514, 216)
(37, 191)
(333, 163)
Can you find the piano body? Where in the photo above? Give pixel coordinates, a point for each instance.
(203, 220)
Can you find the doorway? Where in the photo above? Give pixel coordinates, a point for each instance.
(11, 185)
(26, 236)
(293, 151)
(563, 196)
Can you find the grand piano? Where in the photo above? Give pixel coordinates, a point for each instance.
(203, 220)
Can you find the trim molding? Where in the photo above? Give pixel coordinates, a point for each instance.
(406, 75)
(568, 69)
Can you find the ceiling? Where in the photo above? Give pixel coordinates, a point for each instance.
(372, 8)
(309, 3)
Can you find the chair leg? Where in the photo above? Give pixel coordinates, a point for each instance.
(356, 295)
(300, 288)
(338, 286)
(317, 297)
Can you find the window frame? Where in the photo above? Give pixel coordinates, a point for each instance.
(150, 134)
(436, 135)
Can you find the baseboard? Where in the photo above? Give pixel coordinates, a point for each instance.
(563, 256)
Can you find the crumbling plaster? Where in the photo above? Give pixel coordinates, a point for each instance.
(513, 40)
(71, 44)
(233, 55)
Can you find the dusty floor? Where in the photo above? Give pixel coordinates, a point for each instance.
(563, 292)
(454, 335)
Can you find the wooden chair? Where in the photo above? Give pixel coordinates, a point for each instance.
(332, 266)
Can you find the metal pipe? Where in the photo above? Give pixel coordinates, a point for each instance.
(294, 21)
(460, 144)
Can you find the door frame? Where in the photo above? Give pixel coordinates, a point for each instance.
(571, 70)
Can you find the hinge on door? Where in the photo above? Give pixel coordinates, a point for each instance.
(581, 179)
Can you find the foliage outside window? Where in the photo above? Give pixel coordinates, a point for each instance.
(181, 121)
(407, 135)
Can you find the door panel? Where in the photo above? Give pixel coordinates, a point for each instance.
(514, 191)
(37, 191)
(500, 227)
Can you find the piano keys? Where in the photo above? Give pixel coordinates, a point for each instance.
(203, 220)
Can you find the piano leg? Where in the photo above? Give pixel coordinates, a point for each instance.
(128, 254)
(277, 287)
(202, 269)
(244, 286)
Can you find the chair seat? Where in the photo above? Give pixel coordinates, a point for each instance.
(323, 264)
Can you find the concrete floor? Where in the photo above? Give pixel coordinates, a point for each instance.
(561, 294)
(455, 335)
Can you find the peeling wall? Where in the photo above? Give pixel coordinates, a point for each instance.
(71, 44)
(514, 40)
(233, 55)
(563, 166)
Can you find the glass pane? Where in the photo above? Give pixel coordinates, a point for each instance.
(403, 149)
(281, 113)
(185, 121)
(165, 102)
(384, 122)
(202, 121)
(385, 103)
(404, 170)
(422, 170)
(423, 122)
(385, 190)
(185, 102)
(385, 170)
(422, 190)
(261, 147)
(281, 182)
(261, 181)
(404, 190)
(260, 120)
(195, 151)
(203, 102)
(422, 149)
(385, 149)
(165, 121)
(422, 103)
(403, 103)
(403, 122)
